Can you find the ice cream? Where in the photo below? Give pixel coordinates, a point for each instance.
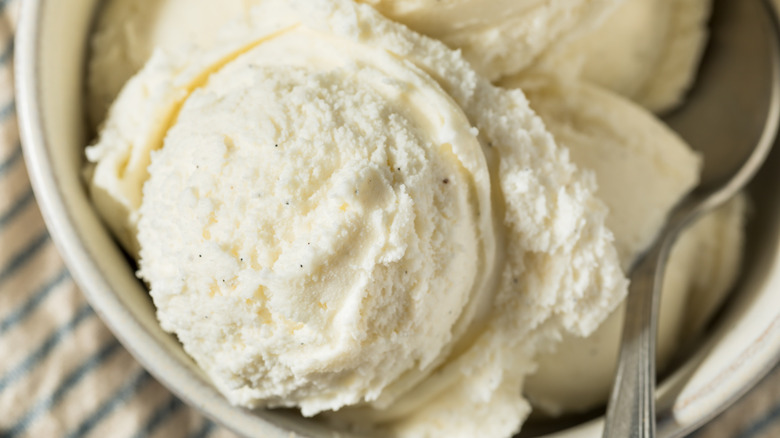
(333, 210)
(642, 169)
(703, 267)
(498, 37)
(323, 214)
(128, 31)
(501, 37)
(645, 50)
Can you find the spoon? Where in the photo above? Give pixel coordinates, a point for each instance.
(731, 119)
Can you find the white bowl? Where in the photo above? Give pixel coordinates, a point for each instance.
(742, 346)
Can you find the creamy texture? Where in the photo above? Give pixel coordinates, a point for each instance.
(326, 213)
(646, 50)
(128, 31)
(642, 168)
(702, 268)
(498, 37)
(317, 224)
(345, 271)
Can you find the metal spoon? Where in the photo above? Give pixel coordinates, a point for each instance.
(731, 118)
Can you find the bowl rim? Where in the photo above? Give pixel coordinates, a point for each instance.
(131, 333)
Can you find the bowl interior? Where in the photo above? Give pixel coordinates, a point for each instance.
(742, 345)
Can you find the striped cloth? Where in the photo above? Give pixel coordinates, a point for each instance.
(62, 373)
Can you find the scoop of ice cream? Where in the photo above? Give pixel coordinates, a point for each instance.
(702, 268)
(398, 163)
(320, 217)
(642, 167)
(128, 31)
(499, 37)
(306, 216)
(646, 50)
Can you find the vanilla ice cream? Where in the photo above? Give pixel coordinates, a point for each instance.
(128, 31)
(499, 37)
(319, 215)
(702, 268)
(645, 50)
(642, 169)
(338, 214)
(332, 210)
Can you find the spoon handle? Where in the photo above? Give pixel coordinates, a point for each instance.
(631, 409)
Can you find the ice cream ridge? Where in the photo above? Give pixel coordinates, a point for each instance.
(336, 213)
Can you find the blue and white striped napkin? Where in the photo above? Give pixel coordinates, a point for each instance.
(62, 373)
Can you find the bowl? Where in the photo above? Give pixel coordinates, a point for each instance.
(740, 347)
